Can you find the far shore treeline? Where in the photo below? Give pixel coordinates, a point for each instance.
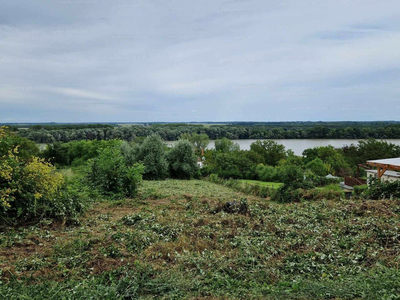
(50, 133)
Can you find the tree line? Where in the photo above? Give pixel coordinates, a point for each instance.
(172, 132)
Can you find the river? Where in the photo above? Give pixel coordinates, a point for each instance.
(298, 145)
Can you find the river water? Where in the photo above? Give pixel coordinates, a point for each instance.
(298, 146)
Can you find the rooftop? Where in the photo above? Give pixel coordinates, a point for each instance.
(390, 161)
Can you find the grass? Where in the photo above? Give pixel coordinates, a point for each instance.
(274, 185)
(332, 187)
(174, 241)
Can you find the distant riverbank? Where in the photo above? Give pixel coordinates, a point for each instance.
(299, 145)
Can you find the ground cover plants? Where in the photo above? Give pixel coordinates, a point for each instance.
(80, 223)
(176, 241)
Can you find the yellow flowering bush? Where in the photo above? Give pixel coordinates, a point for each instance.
(43, 179)
(9, 166)
(32, 188)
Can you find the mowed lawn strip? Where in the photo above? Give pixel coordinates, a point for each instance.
(274, 185)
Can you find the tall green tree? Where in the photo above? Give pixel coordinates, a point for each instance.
(271, 151)
(226, 145)
(182, 161)
(199, 141)
(153, 156)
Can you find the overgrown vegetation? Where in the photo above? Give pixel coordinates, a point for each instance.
(284, 231)
(30, 188)
(177, 240)
(379, 189)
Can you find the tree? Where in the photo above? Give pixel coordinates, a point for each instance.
(318, 167)
(226, 145)
(199, 141)
(373, 149)
(182, 161)
(271, 151)
(152, 154)
(334, 160)
(128, 151)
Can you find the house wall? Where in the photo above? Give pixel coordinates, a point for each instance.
(384, 177)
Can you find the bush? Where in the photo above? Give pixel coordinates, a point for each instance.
(182, 161)
(318, 167)
(152, 154)
(360, 189)
(266, 173)
(111, 176)
(26, 148)
(287, 193)
(234, 164)
(294, 181)
(214, 178)
(75, 153)
(33, 189)
(379, 189)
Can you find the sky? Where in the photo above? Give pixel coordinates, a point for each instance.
(193, 61)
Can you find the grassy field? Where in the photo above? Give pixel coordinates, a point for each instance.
(174, 241)
(274, 185)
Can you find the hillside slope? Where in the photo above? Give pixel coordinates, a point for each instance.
(179, 239)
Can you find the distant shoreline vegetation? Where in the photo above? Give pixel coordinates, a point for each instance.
(54, 132)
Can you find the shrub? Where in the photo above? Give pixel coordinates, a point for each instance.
(182, 161)
(214, 178)
(379, 189)
(111, 176)
(266, 173)
(318, 167)
(39, 187)
(287, 193)
(75, 153)
(26, 148)
(33, 189)
(360, 189)
(152, 154)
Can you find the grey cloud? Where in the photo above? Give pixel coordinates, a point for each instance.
(213, 60)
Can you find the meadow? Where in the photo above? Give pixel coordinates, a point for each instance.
(176, 240)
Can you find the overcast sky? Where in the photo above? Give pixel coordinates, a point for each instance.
(208, 60)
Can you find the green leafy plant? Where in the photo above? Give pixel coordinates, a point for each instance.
(182, 161)
(109, 174)
(151, 153)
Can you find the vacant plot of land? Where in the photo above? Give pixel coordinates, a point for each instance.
(176, 240)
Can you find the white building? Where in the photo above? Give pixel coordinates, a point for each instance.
(387, 169)
(387, 176)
